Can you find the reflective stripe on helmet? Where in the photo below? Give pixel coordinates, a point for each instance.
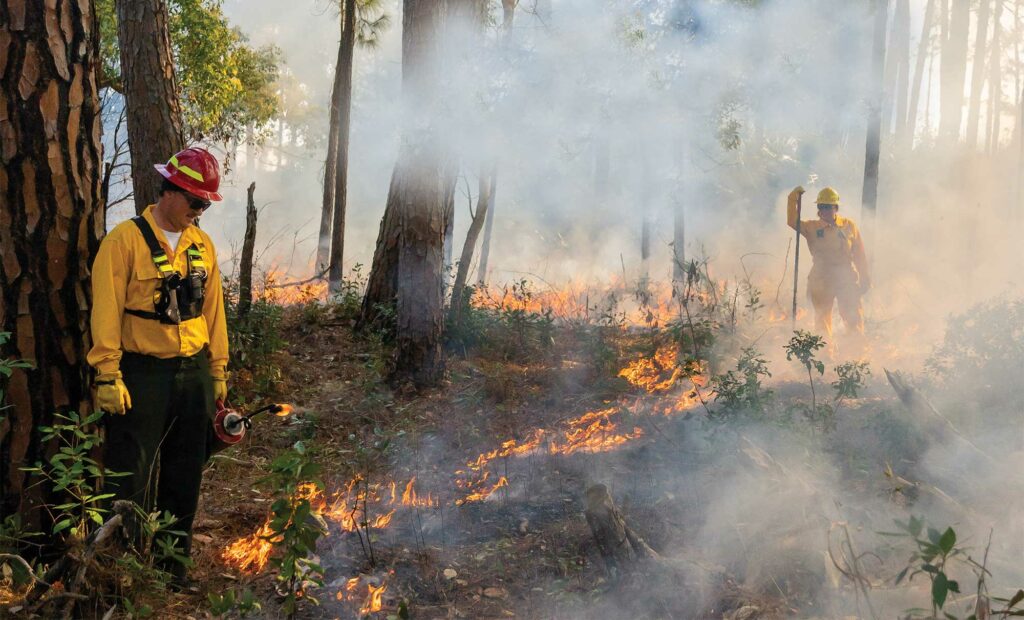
(173, 161)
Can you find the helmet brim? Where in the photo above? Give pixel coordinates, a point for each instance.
(185, 185)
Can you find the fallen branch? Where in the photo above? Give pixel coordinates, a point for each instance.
(918, 404)
(309, 280)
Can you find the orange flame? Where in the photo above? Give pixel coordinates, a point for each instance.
(285, 410)
(374, 599)
(481, 495)
(250, 553)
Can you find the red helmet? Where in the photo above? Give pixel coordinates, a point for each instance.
(195, 171)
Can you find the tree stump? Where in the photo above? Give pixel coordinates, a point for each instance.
(620, 547)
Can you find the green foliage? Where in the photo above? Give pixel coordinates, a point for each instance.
(72, 472)
(983, 348)
(851, 378)
(510, 325)
(931, 557)
(225, 85)
(803, 346)
(7, 368)
(742, 389)
(254, 338)
(241, 601)
(295, 530)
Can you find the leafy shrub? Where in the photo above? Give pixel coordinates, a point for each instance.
(742, 390)
(511, 324)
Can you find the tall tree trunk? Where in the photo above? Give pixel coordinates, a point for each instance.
(682, 154)
(978, 75)
(874, 134)
(323, 248)
(923, 51)
(485, 196)
(51, 221)
(900, 48)
(344, 104)
(954, 70)
(508, 18)
(150, 93)
(995, 82)
(407, 268)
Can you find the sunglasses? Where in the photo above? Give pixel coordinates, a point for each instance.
(828, 207)
(197, 204)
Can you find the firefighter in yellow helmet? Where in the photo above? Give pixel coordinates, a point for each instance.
(840, 266)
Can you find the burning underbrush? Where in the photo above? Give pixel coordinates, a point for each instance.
(760, 495)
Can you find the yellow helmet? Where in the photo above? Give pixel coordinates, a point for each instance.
(828, 196)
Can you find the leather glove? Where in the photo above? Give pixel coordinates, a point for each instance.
(111, 394)
(220, 389)
(796, 193)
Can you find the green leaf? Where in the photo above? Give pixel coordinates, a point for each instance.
(903, 573)
(948, 540)
(1018, 597)
(62, 525)
(940, 589)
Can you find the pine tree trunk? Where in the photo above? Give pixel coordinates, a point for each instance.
(978, 75)
(51, 221)
(953, 71)
(323, 248)
(407, 269)
(150, 92)
(874, 134)
(923, 51)
(679, 218)
(344, 105)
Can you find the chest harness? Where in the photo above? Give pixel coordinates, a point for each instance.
(178, 298)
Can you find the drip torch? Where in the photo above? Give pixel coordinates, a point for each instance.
(230, 426)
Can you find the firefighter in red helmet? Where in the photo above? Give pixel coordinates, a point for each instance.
(160, 348)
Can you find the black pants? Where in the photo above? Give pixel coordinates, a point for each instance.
(163, 441)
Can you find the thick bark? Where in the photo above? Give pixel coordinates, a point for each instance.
(407, 267)
(874, 136)
(245, 263)
(151, 97)
(923, 50)
(978, 75)
(344, 105)
(954, 70)
(483, 203)
(51, 220)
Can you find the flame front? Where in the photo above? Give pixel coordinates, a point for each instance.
(374, 599)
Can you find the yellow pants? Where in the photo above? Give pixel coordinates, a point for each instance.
(828, 285)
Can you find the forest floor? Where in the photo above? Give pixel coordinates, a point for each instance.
(469, 500)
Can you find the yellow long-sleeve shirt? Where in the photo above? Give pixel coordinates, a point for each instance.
(831, 245)
(124, 276)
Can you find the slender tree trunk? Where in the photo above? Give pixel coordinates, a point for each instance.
(679, 217)
(923, 51)
(483, 202)
(150, 93)
(901, 49)
(508, 17)
(248, 247)
(345, 62)
(954, 70)
(978, 75)
(485, 248)
(51, 221)
(323, 248)
(995, 81)
(874, 136)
